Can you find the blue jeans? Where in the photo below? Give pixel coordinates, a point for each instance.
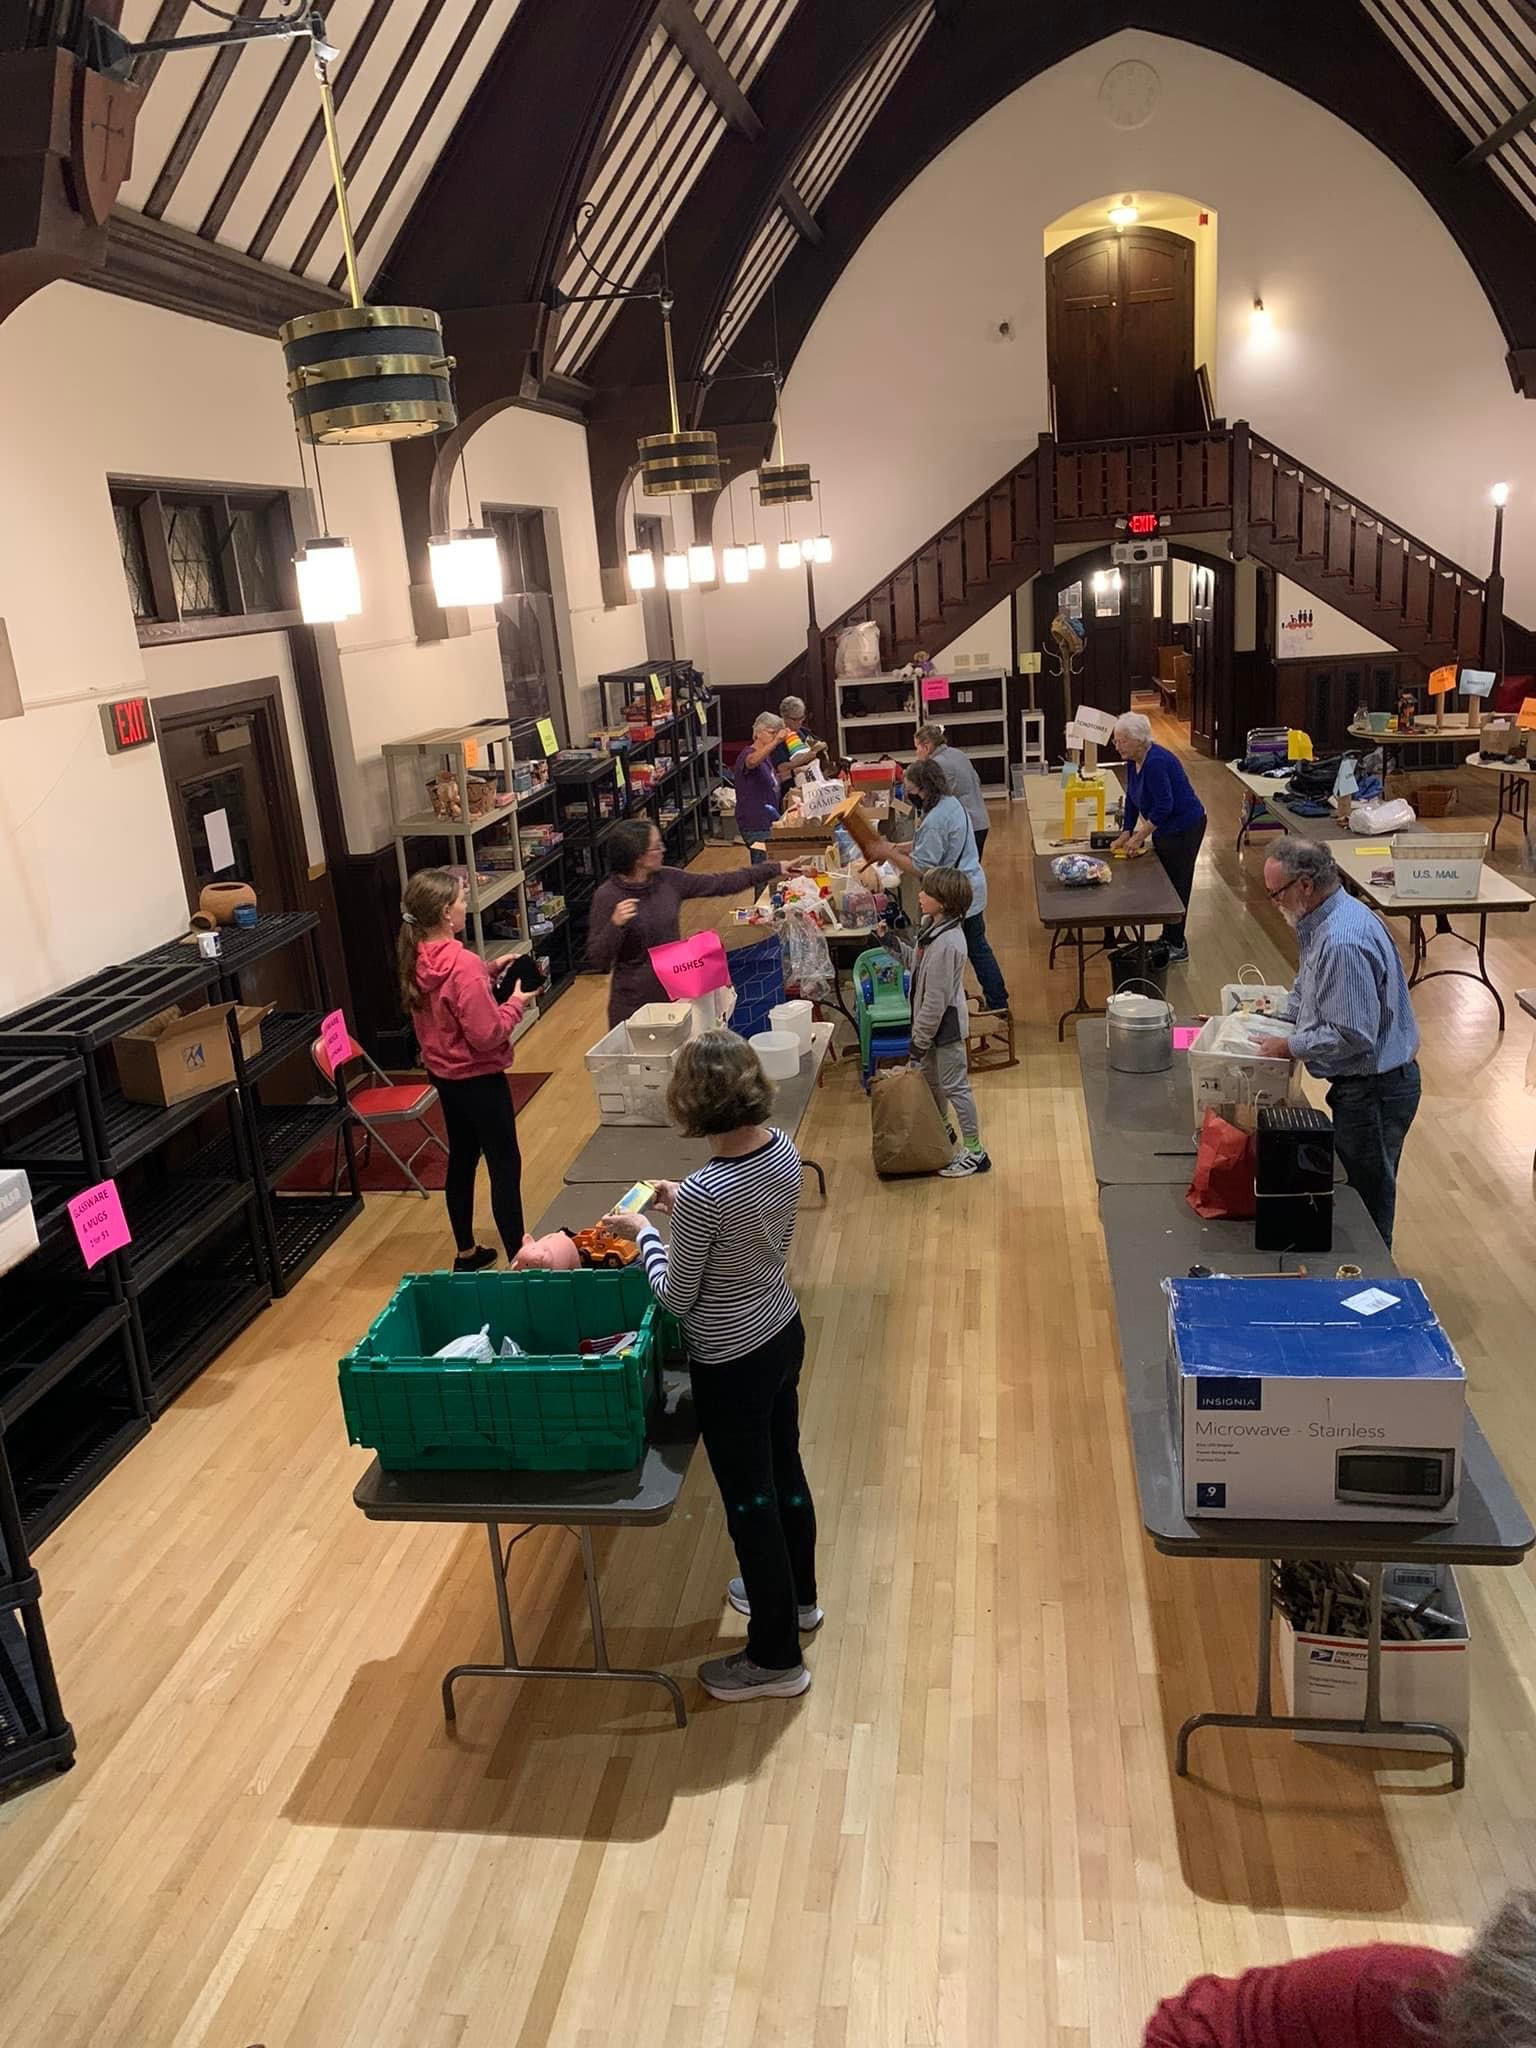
(1371, 1115)
(994, 990)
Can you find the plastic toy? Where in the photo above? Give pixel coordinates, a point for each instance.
(553, 1254)
(598, 1247)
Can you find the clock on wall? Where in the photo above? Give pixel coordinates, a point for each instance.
(1128, 94)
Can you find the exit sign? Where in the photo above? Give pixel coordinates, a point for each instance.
(1142, 522)
(128, 723)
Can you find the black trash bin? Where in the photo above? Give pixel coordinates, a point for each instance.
(1139, 967)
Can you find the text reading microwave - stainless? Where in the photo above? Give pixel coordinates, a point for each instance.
(1383, 1476)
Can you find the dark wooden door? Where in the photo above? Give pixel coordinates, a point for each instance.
(1213, 713)
(1120, 334)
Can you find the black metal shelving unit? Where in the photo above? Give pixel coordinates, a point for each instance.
(34, 1735)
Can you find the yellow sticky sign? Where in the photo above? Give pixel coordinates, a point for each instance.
(471, 754)
(1527, 718)
(547, 738)
(656, 691)
(619, 766)
(1371, 852)
(1442, 682)
(703, 717)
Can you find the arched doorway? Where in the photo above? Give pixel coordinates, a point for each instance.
(1126, 614)
(1120, 334)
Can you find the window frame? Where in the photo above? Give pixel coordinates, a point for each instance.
(150, 501)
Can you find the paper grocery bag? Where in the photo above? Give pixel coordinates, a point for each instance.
(906, 1130)
(1223, 1182)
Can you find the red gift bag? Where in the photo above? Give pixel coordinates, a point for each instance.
(1223, 1182)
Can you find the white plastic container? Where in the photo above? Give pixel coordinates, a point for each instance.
(629, 1082)
(1218, 1078)
(18, 1229)
(661, 1027)
(1441, 867)
(779, 1052)
(795, 1018)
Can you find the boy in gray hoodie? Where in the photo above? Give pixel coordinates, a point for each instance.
(939, 1010)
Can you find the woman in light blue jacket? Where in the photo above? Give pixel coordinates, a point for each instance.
(945, 839)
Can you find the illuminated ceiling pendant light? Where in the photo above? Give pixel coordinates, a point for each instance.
(680, 461)
(329, 590)
(790, 556)
(821, 548)
(466, 560)
(674, 570)
(757, 556)
(1127, 213)
(733, 564)
(701, 562)
(642, 569)
(363, 373)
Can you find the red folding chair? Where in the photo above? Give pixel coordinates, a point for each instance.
(390, 1102)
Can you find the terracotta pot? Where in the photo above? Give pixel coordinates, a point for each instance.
(219, 902)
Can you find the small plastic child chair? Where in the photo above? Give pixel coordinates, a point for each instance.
(882, 991)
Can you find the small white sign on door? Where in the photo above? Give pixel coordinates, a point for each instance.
(221, 846)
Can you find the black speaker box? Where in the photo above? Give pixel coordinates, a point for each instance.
(1293, 1180)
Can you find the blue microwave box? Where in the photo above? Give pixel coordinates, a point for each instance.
(1314, 1400)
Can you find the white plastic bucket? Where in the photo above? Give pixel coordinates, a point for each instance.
(779, 1052)
(794, 1018)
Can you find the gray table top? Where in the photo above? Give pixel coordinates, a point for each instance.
(647, 1493)
(1526, 998)
(1138, 892)
(631, 1152)
(1150, 1233)
(579, 1205)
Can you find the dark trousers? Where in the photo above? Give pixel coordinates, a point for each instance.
(994, 990)
(748, 1413)
(1178, 852)
(481, 1122)
(1371, 1115)
(981, 832)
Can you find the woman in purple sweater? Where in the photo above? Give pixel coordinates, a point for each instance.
(639, 907)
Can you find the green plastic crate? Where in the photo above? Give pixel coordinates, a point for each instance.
(551, 1411)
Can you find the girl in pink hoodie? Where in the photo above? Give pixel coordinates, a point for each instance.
(465, 1038)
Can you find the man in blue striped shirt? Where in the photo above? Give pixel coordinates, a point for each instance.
(1353, 1020)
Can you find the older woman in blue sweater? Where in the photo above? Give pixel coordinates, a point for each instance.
(1160, 806)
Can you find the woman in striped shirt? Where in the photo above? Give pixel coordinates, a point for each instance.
(724, 1279)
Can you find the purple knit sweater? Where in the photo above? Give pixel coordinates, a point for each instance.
(626, 949)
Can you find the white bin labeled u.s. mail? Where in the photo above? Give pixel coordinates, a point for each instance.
(1314, 1400)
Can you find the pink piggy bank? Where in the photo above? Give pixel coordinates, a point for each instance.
(553, 1254)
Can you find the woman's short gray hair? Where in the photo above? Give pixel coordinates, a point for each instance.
(1300, 860)
(793, 709)
(929, 735)
(1135, 726)
(1491, 2003)
(767, 721)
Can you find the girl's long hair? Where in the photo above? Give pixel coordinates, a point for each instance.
(428, 896)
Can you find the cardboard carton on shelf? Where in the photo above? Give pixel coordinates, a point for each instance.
(170, 1056)
(803, 834)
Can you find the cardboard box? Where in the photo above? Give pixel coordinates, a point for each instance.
(1314, 1400)
(171, 1056)
(1426, 1681)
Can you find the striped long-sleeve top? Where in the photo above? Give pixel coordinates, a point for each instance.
(723, 1277)
(1353, 1013)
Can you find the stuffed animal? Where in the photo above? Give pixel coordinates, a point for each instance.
(556, 1253)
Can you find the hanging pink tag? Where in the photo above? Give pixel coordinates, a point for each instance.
(1184, 1036)
(100, 1225)
(935, 689)
(335, 1039)
(691, 967)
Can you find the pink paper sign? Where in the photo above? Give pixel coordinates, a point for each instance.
(335, 1039)
(691, 967)
(935, 689)
(1184, 1036)
(100, 1225)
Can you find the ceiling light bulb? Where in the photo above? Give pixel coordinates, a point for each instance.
(789, 554)
(757, 555)
(1500, 494)
(808, 548)
(466, 567)
(701, 562)
(1126, 214)
(642, 569)
(1260, 315)
(674, 569)
(822, 546)
(329, 590)
(733, 564)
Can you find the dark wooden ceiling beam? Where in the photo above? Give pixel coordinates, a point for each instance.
(288, 185)
(169, 16)
(199, 114)
(295, 57)
(796, 210)
(1506, 131)
(709, 67)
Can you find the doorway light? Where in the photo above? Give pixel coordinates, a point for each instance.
(329, 589)
(1127, 213)
(642, 569)
(674, 570)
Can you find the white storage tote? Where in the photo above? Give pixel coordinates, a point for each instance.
(1443, 867)
(1425, 1681)
(630, 1082)
(661, 1027)
(1218, 1074)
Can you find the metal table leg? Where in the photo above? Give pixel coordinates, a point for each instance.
(511, 1665)
(1514, 802)
(814, 1166)
(1444, 930)
(1371, 1723)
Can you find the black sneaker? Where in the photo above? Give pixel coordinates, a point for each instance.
(475, 1261)
(1177, 954)
(983, 1160)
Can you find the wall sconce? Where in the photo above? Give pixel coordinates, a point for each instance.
(1259, 317)
(1127, 213)
(1500, 495)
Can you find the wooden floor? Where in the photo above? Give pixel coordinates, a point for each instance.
(967, 1832)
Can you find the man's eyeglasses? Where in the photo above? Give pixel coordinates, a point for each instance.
(1274, 895)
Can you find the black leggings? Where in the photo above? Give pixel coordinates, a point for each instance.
(748, 1412)
(479, 1118)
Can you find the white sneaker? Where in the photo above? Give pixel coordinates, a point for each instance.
(811, 1618)
(961, 1167)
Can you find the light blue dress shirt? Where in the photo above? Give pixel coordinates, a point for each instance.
(944, 839)
(1351, 1004)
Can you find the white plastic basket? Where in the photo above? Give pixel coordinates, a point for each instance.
(629, 1082)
